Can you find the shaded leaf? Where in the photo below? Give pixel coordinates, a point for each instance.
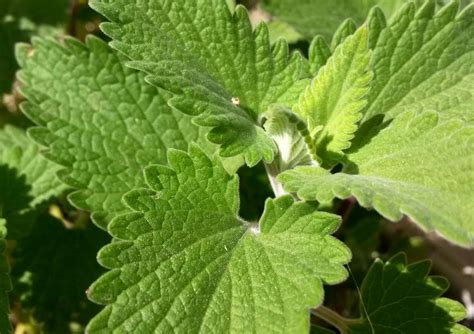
(28, 181)
(401, 298)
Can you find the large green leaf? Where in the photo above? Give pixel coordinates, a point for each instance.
(99, 120)
(419, 166)
(399, 298)
(219, 70)
(28, 181)
(423, 73)
(425, 61)
(5, 284)
(332, 104)
(184, 261)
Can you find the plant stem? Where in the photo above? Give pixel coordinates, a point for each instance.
(272, 172)
(333, 318)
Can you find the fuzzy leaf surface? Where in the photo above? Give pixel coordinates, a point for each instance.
(98, 119)
(401, 298)
(289, 133)
(27, 180)
(424, 60)
(419, 165)
(219, 70)
(184, 261)
(332, 104)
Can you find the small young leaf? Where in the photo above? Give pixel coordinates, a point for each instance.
(289, 134)
(183, 261)
(220, 71)
(400, 298)
(418, 166)
(334, 100)
(99, 120)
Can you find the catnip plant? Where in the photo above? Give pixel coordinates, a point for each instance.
(150, 129)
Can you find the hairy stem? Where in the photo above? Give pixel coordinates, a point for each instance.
(272, 172)
(333, 318)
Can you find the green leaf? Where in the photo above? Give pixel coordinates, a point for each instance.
(400, 298)
(54, 267)
(5, 284)
(185, 262)
(99, 120)
(318, 54)
(347, 28)
(319, 50)
(27, 181)
(332, 104)
(219, 70)
(322, 17)
(423, 61)
(418, 165)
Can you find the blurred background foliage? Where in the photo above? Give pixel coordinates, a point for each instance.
(53, 265)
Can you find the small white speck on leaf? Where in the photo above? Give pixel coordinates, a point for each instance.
(236, 101)
(255, 229)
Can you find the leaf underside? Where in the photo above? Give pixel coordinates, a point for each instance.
(219, 70)
(98, 119)
(401, 298)
(185, 262)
